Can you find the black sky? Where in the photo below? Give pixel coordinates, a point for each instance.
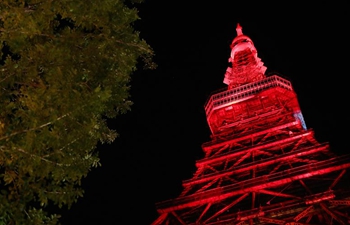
(161, 137)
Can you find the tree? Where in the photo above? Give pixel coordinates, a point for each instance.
(65, 68)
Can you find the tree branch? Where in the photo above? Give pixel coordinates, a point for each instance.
(59, 150)
(32, 129)
(33, 155)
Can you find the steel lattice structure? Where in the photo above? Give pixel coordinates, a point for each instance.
(262, 165)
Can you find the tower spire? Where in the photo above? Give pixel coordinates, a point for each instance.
(246, 65)
(239, 30)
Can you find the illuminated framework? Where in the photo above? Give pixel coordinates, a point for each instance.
(262, 165)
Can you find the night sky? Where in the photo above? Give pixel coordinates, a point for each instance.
(160, 138)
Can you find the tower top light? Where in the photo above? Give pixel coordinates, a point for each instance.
(239, 29)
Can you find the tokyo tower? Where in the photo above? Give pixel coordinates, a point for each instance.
(262, 164)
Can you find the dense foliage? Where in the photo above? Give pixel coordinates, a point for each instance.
(65, 67)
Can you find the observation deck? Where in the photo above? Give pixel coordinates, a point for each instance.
(243, 92)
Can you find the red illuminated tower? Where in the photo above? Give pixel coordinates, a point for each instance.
(262, 164)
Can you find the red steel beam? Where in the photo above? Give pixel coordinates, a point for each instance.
(215, 144)
(222, 193)
(264, 146)
(243, 168)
